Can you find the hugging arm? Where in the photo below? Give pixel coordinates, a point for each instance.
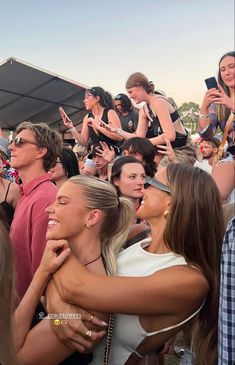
(156, 292)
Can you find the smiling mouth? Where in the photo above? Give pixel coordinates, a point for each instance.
(52, 223)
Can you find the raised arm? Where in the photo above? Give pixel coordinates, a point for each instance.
(41, 335)
(82, 137)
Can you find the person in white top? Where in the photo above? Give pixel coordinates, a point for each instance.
(163, 282)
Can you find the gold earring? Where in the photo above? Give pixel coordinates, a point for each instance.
(165, 215)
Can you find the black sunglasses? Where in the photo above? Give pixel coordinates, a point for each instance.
(19, 141)
(149, 181)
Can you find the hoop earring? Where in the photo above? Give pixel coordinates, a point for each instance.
(165, 215)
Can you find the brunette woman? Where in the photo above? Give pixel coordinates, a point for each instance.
(219, 103)
(164, 281)
(99, 103)
(156, 116)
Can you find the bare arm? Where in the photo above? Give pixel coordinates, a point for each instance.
(82, 137)
(141, 130)
(24, 312)
(104, 128)
(124, 294)
(223, 174)
(14, 194)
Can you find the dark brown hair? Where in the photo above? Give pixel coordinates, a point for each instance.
(195, 230)
(6, 294)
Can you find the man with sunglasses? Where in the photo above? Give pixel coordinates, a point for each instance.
(33, 152)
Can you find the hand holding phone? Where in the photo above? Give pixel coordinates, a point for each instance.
(211, 83)
(67, 121)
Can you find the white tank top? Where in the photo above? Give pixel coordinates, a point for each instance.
(128, 332)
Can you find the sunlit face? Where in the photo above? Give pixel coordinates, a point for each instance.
(131, 180)
(27, 153)
(90, 101)
(227, 71)
(208, 150)
(155, 202)
(58, 171)
(137, 93)
(68, 215)
(137, 155)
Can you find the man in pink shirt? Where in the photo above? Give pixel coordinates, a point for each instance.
(33, 152)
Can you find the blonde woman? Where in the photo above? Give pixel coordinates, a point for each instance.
(95, 222)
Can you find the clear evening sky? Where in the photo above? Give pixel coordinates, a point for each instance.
(176, 43)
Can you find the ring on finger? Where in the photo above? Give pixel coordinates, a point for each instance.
(88, 334)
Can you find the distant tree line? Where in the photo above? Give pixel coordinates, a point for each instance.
(189, 113)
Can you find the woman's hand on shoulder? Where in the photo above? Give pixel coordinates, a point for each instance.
(54, 255)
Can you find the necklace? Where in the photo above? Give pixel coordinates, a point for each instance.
(90, 262)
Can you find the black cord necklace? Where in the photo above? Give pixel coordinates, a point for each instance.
(90, 262)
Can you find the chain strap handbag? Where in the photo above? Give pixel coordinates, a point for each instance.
(109, 339)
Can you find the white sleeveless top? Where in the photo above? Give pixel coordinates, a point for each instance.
(128, 332)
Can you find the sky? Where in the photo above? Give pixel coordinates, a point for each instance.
(175, 43)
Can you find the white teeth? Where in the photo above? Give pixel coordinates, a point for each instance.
(52, 222)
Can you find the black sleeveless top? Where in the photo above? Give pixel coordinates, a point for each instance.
(7, 208)
(100, 137)
(155, 129)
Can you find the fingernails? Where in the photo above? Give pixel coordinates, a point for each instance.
(104, 323)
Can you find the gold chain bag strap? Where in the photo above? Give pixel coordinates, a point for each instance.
(224, 138)
(109, 339)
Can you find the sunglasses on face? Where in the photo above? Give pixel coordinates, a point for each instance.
(149, 181)
(19, 141)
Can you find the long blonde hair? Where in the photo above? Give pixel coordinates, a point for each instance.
(118, 216)
(6, 298)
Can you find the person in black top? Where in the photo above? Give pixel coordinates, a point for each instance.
(9, 191)
(99, 103)
(127, 114)
(156, 117)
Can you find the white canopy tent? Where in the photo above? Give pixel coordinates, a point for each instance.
(33, 94)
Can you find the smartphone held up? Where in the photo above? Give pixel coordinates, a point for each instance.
(211, 83)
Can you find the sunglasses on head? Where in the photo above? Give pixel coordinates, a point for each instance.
(19, 141)
(149, 181)
(118, 97)
(91, 91)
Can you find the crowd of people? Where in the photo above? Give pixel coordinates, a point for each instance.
(105, 257)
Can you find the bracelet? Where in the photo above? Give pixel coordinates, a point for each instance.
(119, 131)
(203, 116)
(73, 129)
